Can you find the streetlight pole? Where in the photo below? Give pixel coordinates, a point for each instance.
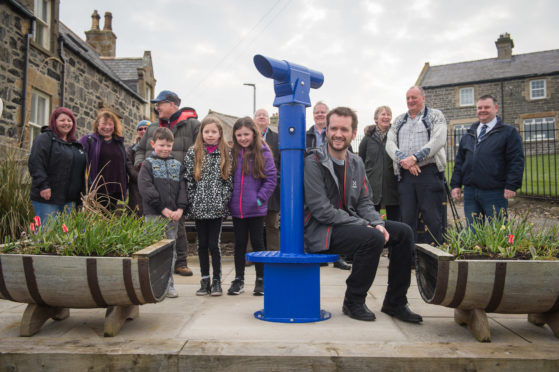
(253, 96)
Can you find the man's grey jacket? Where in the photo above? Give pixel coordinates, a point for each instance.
(327, 203)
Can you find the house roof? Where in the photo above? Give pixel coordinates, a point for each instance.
(74, 42)
(228, 122)
(492, 69)
(125, 68)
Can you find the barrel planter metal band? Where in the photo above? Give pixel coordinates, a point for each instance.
(489, 286)
(60, 282)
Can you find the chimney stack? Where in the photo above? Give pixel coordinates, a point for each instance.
(504, 46)
(103, 41)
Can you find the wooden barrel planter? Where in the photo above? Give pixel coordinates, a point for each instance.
(53, 284)
(476, 287)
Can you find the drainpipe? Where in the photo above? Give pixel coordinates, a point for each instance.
(25, 79)
(63, 75)
(502, 102)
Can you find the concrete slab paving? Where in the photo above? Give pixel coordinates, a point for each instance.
(220, 333)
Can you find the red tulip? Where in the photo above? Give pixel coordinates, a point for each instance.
(64, 228)
(32, 227)
(511, 239)
(37, 220)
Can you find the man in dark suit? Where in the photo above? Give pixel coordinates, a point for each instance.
(262, 120)
(489, 164)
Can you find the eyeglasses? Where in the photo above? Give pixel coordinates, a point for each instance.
(160, 102)
(142, 129)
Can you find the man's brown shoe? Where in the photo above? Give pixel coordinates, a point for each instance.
(183, 270)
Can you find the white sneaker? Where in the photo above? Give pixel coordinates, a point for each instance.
(172, 292)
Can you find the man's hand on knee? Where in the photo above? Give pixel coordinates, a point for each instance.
(383, 231)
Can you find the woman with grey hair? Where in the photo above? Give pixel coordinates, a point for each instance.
(379, 166)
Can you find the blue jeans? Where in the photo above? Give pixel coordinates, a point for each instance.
(480, 203)
(46, 210)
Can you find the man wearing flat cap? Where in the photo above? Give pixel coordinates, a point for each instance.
(184, 124)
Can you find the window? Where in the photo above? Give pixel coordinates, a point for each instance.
(539, 129)
(537, 89)
(39, 114)
(466, 96)
(147, 112)
(42, 23)
(459, 131)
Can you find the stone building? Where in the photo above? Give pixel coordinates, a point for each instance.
(44, 65)
(525, 85)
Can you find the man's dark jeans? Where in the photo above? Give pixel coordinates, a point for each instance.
(480, 203)
(364, 245)
(423, 193)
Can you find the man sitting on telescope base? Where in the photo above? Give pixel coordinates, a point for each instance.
(341, 219)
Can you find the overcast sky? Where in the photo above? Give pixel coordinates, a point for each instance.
(370, 52)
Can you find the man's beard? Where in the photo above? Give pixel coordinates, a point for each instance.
(344, 147)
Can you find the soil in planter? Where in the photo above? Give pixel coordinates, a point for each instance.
(485, 255)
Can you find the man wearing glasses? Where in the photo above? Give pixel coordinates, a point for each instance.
(184, 124)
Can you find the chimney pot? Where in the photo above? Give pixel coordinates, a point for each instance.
(108, 21)
(95, 20)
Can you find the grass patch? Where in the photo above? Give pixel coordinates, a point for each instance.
(540, 175)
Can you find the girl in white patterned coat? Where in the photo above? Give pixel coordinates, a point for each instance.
(209, 187)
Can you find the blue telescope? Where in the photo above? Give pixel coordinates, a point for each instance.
(291, 277)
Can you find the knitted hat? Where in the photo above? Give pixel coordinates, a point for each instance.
(143, 123)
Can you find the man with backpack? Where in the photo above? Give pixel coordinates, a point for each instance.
(416, 143)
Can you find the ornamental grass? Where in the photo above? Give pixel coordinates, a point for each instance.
(90, 230)
(15, 206)
(511, 237)
(82, 233)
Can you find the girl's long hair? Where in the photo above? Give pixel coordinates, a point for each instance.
(252, 152)
(200, 151)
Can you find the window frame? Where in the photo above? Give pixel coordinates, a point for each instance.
(36, 122)
(147, 109)
(460, 97)
(546, 120)
(543, 89)
(42, 28)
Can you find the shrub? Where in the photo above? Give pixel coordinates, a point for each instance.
(15, 205)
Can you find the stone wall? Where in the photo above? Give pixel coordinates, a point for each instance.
(87, 89)
(514, 100)
(13, 30)
(515, 106)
